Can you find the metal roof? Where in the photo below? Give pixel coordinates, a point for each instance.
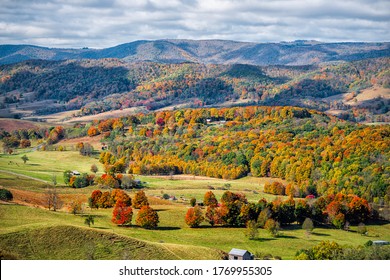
(237, 252)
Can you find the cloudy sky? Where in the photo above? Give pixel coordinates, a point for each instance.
(106, 23)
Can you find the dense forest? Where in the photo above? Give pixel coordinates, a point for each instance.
(315, 153)
(98, 86)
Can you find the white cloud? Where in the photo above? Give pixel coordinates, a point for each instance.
(104, 23)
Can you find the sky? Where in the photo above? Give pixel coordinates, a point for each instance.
(107, 23)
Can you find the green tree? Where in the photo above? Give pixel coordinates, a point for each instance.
(272, 226)
(24, 158)
(90, 220)
(308, 225)
(252, 231)
(5, 195)
(67, 175)
(193, 202)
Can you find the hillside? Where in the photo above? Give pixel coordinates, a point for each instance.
(315, 153)
(208, 52)
(34, 88)
(77, 243)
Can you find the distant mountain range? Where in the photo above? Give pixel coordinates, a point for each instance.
(207, 52)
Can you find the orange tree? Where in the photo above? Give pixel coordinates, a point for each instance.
(147, 217)
(194, 216)
(140, 200)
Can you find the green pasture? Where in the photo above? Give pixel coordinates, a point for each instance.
(173, 232)
(21, 223)
(43, 164)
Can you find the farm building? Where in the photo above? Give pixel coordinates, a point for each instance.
(380, 242)
(238, 254)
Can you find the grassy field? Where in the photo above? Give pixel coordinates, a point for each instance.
(44, 164)
(38, 232)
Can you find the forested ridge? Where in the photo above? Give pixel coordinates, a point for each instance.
(98, 86)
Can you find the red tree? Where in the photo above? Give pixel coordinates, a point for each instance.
(122, 214)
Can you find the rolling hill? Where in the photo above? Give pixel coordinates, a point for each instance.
(208, 52)
(41, 87)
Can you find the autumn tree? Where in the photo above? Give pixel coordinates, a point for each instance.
(194, 216)
(147, 217)
(93, 200)
(140, 200)
(92, 131)
(122, 213)
(118, 194)
(213, 215)
(94, 168)
(105, 200)
(210, 200)
(75, 207)
(25, 143)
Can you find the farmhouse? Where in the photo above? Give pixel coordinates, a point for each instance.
(238, 254)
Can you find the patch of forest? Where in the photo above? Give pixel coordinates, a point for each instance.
(315, 153)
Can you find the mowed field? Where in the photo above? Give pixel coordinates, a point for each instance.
(29, 231)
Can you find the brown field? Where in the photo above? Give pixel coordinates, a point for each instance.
(364, 95)
(14, 124)
(94, 141)
(370, 94)
(105, 115)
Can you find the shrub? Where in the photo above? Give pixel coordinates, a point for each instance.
(5, 195)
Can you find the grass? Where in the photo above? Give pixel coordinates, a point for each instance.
(173, 238)
(41, 234)
(43, 164)
(173, 233)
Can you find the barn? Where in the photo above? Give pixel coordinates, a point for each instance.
(238, 254)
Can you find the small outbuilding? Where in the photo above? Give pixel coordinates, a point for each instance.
(238, 254)
(380, 242)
